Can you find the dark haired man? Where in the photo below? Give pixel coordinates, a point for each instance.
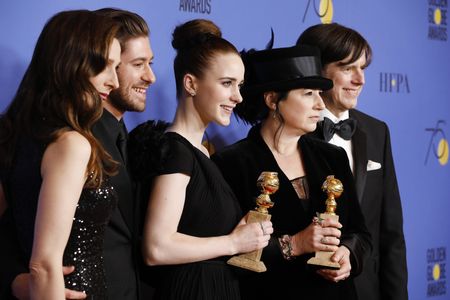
(345, 54)
(121, 247)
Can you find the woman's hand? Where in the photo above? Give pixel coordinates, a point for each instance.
(247, 237)
(318, 236)
(342, 256)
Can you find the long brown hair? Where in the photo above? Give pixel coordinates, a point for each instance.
(55, 94)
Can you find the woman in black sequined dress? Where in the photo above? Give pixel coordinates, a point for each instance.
(53, 172)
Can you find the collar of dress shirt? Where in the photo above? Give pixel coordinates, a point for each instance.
(329, 115)
(336, 139)
(111, 123)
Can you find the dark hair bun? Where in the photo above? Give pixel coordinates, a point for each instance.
(194, 33)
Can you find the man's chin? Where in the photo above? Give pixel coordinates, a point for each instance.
(138, 110)
(127, 104)
(351, 103)
(138, 106)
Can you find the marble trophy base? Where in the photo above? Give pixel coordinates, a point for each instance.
(251, 261)
(323, 258)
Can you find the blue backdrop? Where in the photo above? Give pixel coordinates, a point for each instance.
(407, 85)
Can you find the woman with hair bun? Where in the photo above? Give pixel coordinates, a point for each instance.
(193, 222)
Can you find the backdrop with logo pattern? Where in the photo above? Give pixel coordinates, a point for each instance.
(407, 86)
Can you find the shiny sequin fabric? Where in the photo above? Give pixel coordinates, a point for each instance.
(85, 245)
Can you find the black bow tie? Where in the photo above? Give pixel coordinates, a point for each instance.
(344, 129)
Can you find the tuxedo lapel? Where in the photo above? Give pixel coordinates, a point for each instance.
(359, 146)
(106, 130)
(126, 203)
(359, 141)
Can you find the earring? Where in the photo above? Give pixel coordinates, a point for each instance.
(274, 114)
(192, 94)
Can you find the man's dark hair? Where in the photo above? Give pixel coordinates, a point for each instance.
(336, 43)
(131, 25)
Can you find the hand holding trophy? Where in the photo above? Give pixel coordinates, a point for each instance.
(334, 188)
(268, 184)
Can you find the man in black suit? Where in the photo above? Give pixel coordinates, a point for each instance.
(345, 54)
(121, 247)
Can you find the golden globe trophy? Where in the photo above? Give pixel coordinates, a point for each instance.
(334, 188)
(268, 184)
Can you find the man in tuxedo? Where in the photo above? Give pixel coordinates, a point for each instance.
(345, 54)
(121, 247)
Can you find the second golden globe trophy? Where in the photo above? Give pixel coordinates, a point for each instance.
(268, 184)
(334, 188)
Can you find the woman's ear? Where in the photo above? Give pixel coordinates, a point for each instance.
(190, 84)
(270, 98)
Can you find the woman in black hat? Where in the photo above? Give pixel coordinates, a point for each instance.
(282, 100)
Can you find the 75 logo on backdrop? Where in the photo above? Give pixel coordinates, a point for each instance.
(438, 145)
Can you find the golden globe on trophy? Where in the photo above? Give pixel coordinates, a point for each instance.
(268, 184)
(334, 188)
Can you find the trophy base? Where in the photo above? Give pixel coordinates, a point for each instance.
(323, 258)
(249, 264)
(323, 263)
(251, 261)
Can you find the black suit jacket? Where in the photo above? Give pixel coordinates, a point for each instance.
(120, 249)
(384, 276)
(121, 241)
(242, 163)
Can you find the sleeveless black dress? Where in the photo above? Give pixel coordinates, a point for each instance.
(210, 209)
(84, 247)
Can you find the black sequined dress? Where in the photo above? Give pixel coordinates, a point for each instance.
(85, 244)
(84, 248)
